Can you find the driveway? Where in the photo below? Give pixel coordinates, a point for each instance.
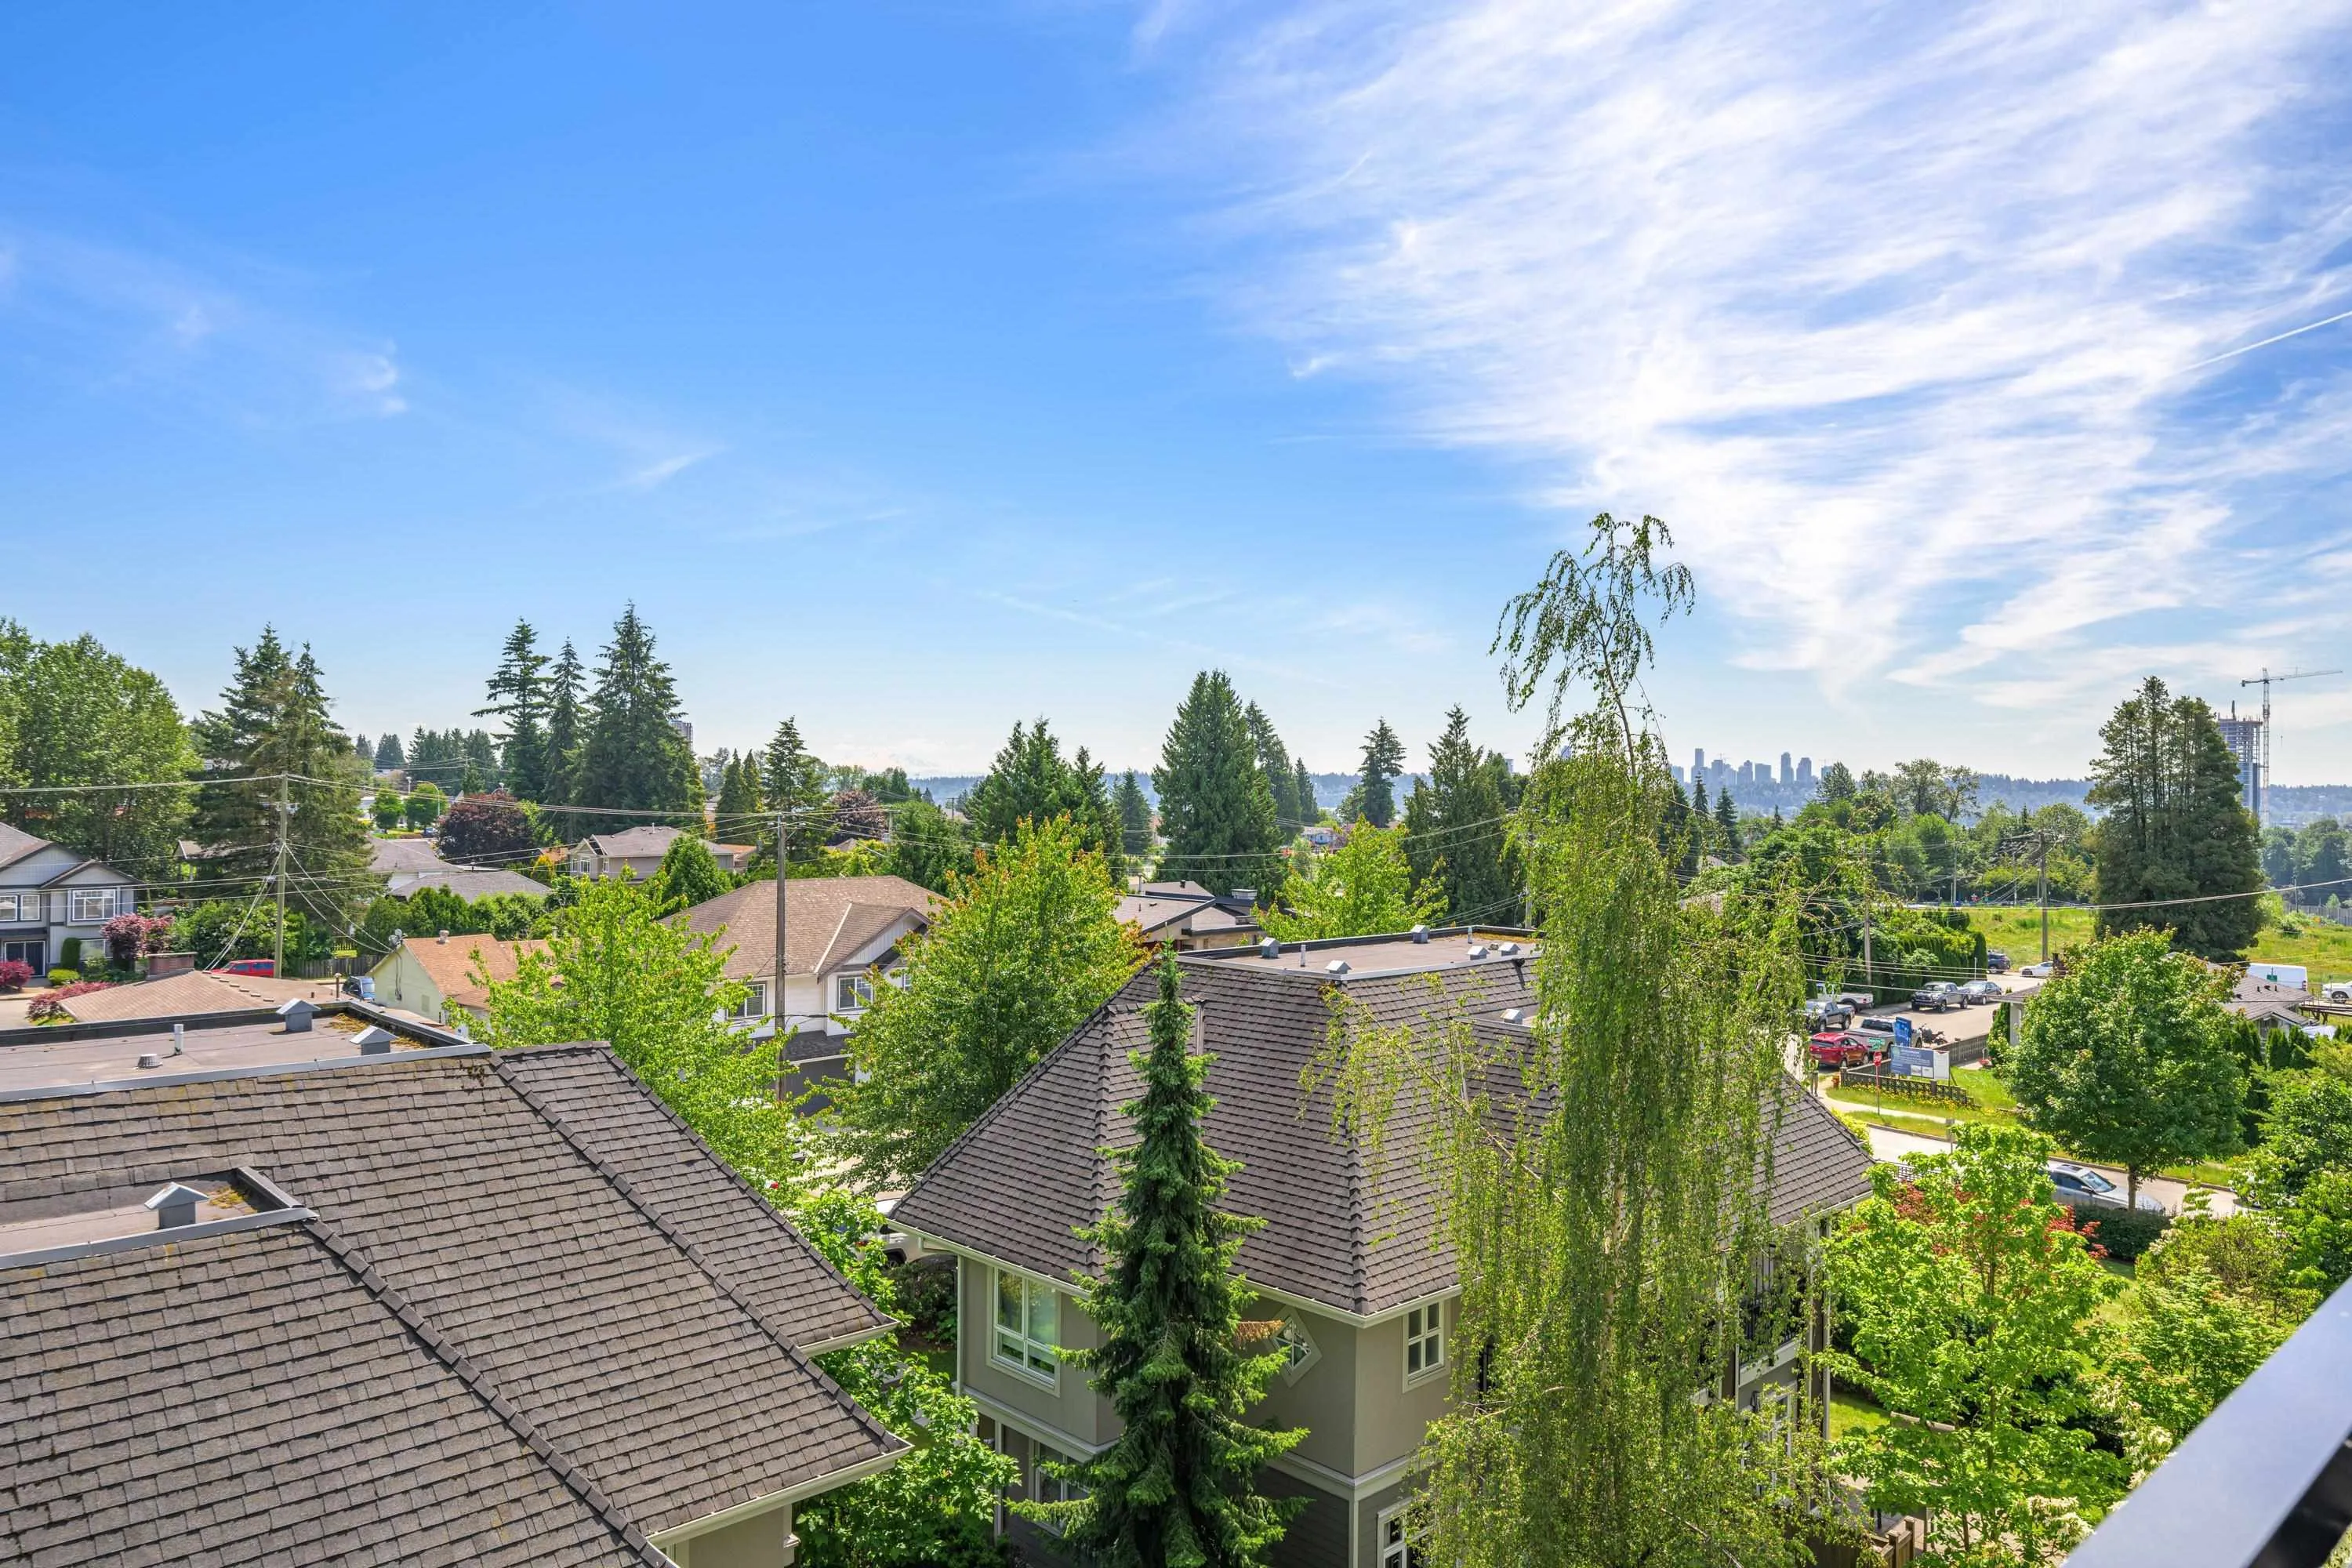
(1890, 1145)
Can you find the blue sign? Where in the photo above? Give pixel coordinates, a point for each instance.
(1914, 1062)
(1902, 1031)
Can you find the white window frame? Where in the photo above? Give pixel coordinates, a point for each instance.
(1398, 1521)
(104, 896)
(857, 987)
(1018, 1349)
(10, 908)
(1044, 1488)
(1298, 1347)
(754, 1003)
(1425, 1342)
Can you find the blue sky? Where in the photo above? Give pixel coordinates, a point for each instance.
(918, 368)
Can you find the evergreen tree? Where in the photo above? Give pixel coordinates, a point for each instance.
(1178, 1487)
(274, 721)
(1134, 816)
(927, 847)
(739, 798)
(687, 875)
(565, 728)
(388, 754)
(1727, 822)
(1455, 835)
(1281, 778)
(2174, 828)
(1215, 811)
(793, 781)
(481, 754)
(362, 749)
(631, 755)
(1836, 782)
(1384, 761)
(518, 693)
(1029, 782)
(1303, 793)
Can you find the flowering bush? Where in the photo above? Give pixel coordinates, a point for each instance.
(51, 1009)
(14, 976)
(129, 936)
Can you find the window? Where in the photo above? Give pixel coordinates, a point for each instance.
(851, 993)
(1424, 1340)
(90, 906)
(1399, 1533)
(1044, 1488)
(1026, 1332)
(754, 1003)
(1299, 1351)
(8, 906)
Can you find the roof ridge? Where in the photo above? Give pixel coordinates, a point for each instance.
(670, 1232)
(483, 1388)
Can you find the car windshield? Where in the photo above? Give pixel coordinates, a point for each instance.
(2095, 1182)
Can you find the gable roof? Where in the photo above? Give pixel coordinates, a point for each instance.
(824, 919)
(1342, 1230)
(451, 966)
(16, 844)
(468, 882)
(632, 843)
(194, 994)
(536, 1218)
(405, 854)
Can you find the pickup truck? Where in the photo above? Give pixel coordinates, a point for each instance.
(1828, 1013)
(1936, 997)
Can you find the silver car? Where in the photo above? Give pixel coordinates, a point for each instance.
(1976, 991)
(2079, 1187)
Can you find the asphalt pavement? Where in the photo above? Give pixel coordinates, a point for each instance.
(1887, 1144)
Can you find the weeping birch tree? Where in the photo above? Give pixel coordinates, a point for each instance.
(1601, 1178)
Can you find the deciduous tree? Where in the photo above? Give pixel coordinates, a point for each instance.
(1361, 887)
(1026, 946)
(1177, 1489)
(2125, 1059)
(490, 827)
(687, 875)
(86, 718)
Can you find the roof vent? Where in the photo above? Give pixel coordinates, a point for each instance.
(398, 936)
(179, 1040)
(1512, 1014)
(1508, 949)
(297, 1013)
(373, 1041)
(150, 1059)
(1477, 950)
(1245, 897)
(174, 1206)
(1421, 935)
(442, 937)
(1269, 948)
(1337, 966)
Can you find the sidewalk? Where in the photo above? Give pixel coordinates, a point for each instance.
(1887, 1144)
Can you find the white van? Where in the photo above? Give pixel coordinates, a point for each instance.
(2293, 976)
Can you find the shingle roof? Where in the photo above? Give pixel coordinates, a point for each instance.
(194, 994)
(405, 854)
(451, 966)
(1341, 1229)
(633, 842)
(16, 844)
(543, 1215)
(820, 927)
(149, 1415)
(468, 882)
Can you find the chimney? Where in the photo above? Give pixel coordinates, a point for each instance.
(1245, 897)
(174, 1206)
(297, 1013)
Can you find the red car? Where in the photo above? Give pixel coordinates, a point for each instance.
(266, 968)
(1842, 1050)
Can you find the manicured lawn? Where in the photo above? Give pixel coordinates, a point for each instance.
(1990, 1100)
(2323, 946)
(1851, 1413)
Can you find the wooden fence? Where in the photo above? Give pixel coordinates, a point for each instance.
(1895, 1083)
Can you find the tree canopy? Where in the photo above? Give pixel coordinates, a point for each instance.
(1376, 784)
(2174, 828)
(1361, 887)
(1216, 812)
(75, 715)
(1458, 833)
(1030, 782)
(518, 695)
(631, 755)
(2126, 1057)
(1027, 945)
(491, 826)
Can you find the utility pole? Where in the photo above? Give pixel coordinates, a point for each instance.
(2041, 892)
(776, 1003)
(1868, 983)
(277, 949)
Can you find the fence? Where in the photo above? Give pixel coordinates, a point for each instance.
(1894, 1083)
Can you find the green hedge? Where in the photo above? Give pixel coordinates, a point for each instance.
(2124, 1232)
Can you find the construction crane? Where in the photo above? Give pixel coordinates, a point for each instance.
(2266, 681)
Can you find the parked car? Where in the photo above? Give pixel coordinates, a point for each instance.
(2079, 1187)
(264, 967)
(360, 985)
(1996, 961)
(1976, 991)
(2037, 971)
(1876, 1024)
(2337, 990)
(1840, 1049)
(1828, 1013)
(1936, 997)
(1857, 999)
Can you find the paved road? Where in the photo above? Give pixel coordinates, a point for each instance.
(1890, 1145)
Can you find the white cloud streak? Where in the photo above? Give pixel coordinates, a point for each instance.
(1893, 308)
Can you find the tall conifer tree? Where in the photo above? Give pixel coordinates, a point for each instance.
(1177, 1489)
(1290, 814)
(631, 754)
(518, 693)
(566, 725)
(1384, 761)
(2174, 828)
(1030, 781)
(739, 800)
(1134, 816)
(1455, 833)
(388, 754)
(1215, 810)
(791, 780)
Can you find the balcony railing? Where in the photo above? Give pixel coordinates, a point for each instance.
(2266, 1482)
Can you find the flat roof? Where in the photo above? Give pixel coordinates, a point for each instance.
(209, 1046)
(1454, 947)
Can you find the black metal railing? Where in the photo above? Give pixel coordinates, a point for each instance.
(2266, 1482)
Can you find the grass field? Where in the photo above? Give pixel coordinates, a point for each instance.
(1989, 1101)
(1851, 1412)
(2323, 946)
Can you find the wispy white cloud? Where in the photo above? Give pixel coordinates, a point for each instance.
(662, 469)
(1909, 319)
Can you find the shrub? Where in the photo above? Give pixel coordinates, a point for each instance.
(69, 953)
(130, 937)
(15, 974)
(485, 827)
(61, 976)
(2124, 1232)
(50, 1009)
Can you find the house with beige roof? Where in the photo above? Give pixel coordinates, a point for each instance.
(1187, 916)
(443, 977)
(842, 934)
(1349, 1265)
(638, 852)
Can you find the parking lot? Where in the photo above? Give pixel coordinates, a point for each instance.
(1964, 1028)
